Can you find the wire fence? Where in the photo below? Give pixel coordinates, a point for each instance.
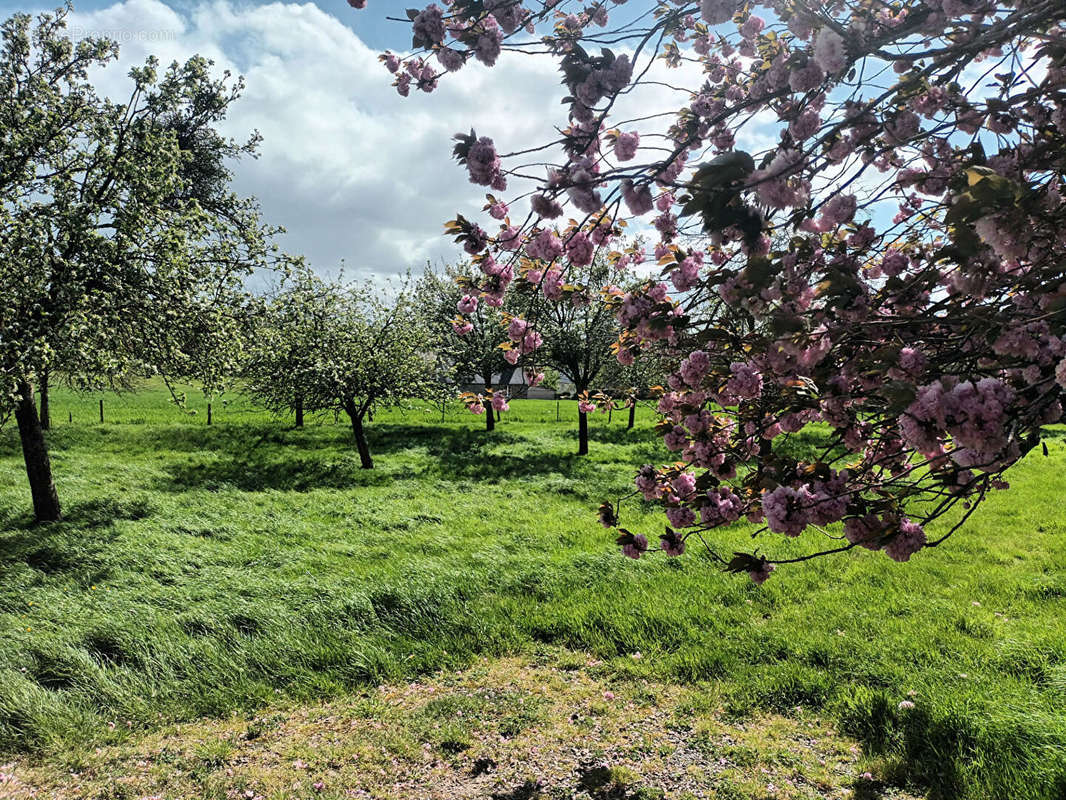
(153, 404)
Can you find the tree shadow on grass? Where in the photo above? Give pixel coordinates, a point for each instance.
(76, 547)
(261, 458)
(926, 750)
(280, 471)
(465, 455)
(293, 461)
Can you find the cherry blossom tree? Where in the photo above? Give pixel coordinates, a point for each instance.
(858, 209)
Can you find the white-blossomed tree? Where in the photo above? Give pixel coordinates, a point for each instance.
(331, 346)
(889, 271)
(109, 263)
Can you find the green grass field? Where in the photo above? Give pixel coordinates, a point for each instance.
(203, 570)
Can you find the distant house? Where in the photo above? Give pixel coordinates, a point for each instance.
(514, 383)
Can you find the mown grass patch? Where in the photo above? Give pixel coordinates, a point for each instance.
(507, 729)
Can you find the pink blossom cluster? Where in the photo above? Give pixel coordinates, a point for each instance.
(483, 164)
(917, 324)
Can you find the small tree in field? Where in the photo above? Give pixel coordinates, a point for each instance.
(285, 339)
(469, 343)
(341, 348)
(579, 329)
(637, 379)
(107, 266)
(884, 263)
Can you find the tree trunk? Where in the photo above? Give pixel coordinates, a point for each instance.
(299, 412)
(360, 435)
(632, 417)
(490, 415)
(35, 452)
(46, 416)
(582, 433)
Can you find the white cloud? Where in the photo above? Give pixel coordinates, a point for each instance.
(351, 169)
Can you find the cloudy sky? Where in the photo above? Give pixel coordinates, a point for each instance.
(352, 170)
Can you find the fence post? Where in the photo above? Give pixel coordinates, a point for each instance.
(101, 411)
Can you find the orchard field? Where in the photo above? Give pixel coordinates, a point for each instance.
(247, 572)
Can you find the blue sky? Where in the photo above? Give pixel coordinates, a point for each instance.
(370, 25)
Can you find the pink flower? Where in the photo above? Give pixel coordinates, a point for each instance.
(552, 284)
(638, 200)
(681, 516)
(633, 545)
(487, 49)
(483, 164)
(752, 26)
(462, 328)
(509, 238)
(908, 541)
(865, 531)
(715, 12)
(786, 510)
(429, 26)
(829, 51)
(451, 60)
(745, 382)
(839, 209)
(684, 484)
(723, 507)
(694, 368)
(671, 543)
(546, 246)
(675, 438)
(467, 305)
(516, 330)
(585, 407)
(580, 250)
(805, 78)
(625, 146)
(686, 276)
(546, 207)
(805, 125)
(761, 573)
(531, 341)
(498, 210)
(499, 402)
